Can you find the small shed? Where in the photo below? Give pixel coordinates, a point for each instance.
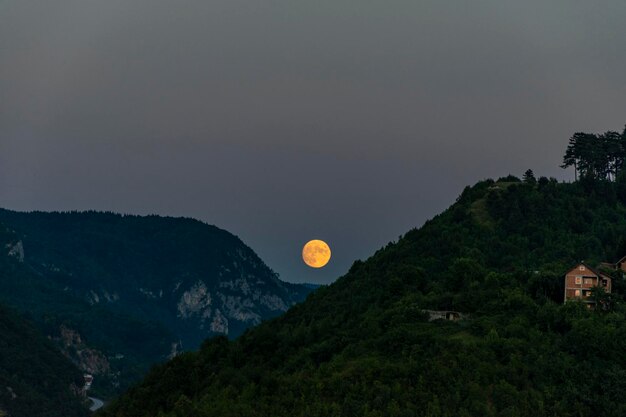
(444, 315)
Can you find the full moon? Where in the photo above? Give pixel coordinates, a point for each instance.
(316, 253)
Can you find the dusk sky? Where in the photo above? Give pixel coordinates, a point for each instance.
(284, 121)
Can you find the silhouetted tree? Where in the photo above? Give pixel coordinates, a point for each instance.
(596, 156)
(529, 177)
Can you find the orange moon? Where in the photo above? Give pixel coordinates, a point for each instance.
(316, 253)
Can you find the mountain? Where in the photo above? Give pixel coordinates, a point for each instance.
(35, 379)
(119, 292)
(365, 346)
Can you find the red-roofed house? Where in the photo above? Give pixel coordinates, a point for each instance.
(580, 279)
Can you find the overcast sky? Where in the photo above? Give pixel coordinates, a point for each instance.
(286, 120)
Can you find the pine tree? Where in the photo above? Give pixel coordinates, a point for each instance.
(529, 177)
(596, 156)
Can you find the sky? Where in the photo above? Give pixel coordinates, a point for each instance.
(283, 121)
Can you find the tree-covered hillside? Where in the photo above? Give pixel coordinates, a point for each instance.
(363, 346)
(119, 293)
(35, 379)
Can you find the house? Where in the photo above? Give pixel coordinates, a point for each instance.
(444, 315)
(621, 265)
(88, 381)
(581, 279)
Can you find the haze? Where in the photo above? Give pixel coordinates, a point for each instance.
(285, 121)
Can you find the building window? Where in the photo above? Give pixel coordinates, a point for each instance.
(588, 281)
(577, 293)
(579, 280)
(582, 268)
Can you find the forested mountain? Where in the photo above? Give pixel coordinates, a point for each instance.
(118, 293)
(364, 347)
(35, 379)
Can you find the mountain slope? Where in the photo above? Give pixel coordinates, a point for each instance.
(121, 292)
(35, 379)
(364, 347)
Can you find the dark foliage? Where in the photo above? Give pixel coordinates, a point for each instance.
(596, 156)
(35, 379)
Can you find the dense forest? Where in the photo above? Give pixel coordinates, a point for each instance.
(115, 292)
(35, 379)
(363, 346)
